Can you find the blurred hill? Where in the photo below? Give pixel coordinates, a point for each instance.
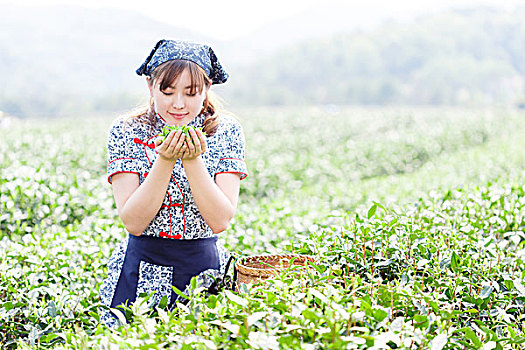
(71, 60)
(470, 57)
(66, 60)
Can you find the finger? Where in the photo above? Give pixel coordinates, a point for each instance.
(183, 153)
(161, 143)
(202, 140)
(167, 139)
(174, 141)
(184, 147)
(181, 141)
(178, 136)
(192, 139)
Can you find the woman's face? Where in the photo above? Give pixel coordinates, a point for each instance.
(176, 104)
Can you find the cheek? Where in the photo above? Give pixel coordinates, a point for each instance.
(198, 102)
(159, 100)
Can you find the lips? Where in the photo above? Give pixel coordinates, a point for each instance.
(178, 115)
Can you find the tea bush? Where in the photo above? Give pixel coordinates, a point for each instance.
(415, 217)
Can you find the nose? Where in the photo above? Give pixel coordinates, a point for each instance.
(178, 101)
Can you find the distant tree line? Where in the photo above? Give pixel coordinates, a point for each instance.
(455, 58)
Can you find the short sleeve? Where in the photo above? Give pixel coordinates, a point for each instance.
(119, 160)
(232, 157)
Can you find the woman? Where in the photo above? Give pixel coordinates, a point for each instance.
(174, 194)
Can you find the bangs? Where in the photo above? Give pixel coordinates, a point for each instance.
(168, 73)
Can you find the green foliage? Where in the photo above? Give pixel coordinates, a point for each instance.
(416, 220)
(452, 58)
(184, 128)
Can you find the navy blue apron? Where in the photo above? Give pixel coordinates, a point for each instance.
(187, 257)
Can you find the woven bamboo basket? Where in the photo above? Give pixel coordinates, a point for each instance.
(256, 269)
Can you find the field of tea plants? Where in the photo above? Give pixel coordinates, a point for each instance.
(416, 218)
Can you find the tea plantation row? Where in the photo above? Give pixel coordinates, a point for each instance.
(415, 216)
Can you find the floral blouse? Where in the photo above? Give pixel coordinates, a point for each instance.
(131, 150)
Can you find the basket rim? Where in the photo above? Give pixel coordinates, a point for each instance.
(252, 271)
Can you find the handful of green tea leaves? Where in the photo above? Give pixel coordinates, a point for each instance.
(185, 129)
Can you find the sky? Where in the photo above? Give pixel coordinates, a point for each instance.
(222, 19)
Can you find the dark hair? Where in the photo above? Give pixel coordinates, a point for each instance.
(165, 75)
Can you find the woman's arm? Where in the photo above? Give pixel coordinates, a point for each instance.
(137, 204)
(217, 201)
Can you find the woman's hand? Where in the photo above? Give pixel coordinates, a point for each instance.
(173, 147)
(195, 144)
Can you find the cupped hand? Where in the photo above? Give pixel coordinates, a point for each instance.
(173, 147)
(195, 144)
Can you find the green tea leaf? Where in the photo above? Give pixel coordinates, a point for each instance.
(236, 299)
(455, 262)
(51, 309)
(179, 293)
(485, 292)
(372, 211)
(439, 342)
(379, 314)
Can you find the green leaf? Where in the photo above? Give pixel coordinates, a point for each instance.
(379, 315)
(236, 299)
(319, 295)
(455, 262)
(120, 316)
(8, 305)
(485, 292)
(179, 293)
(51, 309)
(233, 328)
(256, 316)
(509, 284)
(95, 315)
(421, 321)
(310, 315)
(33, 336)
(372, 211)
(518, 340)
(319, 268)
(163, 302)
(519, 287)
(439, 342)
(469, 334)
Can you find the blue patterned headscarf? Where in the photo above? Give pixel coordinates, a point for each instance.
(203, 55)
